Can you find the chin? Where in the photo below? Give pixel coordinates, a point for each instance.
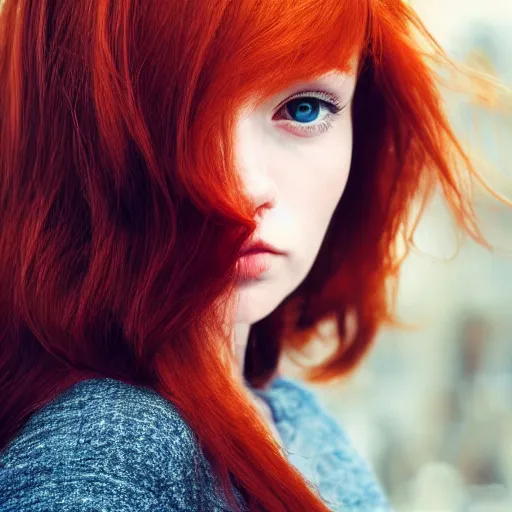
(256, 301)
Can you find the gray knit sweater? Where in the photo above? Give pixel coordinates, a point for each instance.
(108, 446)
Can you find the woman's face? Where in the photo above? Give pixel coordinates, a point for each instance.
(294, 155)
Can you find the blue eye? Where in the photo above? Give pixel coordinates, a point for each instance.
(303, 110)
(309, 112)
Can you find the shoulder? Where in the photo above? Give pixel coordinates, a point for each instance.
(96, 416)
(104, 444)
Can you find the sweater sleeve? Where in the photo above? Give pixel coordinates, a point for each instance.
(106, 446)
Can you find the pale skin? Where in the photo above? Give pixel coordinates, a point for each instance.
(294, 156)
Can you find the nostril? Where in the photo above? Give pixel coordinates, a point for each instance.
(262, 208)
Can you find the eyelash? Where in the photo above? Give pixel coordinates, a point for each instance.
(328, 100)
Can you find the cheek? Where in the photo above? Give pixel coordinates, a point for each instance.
(310, 177)
(330, 162)
(320, 175)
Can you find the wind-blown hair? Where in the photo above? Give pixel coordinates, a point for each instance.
(121, 211)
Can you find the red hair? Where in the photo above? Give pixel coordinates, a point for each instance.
(122, 213)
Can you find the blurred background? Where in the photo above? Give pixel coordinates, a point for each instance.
(431, 408)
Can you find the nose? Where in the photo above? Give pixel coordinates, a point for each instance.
(259, 188)
(254, 166)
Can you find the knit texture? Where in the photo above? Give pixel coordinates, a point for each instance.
(107, 446)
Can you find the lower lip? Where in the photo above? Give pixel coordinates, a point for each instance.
(251, 266)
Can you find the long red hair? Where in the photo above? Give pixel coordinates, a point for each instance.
(121, 213)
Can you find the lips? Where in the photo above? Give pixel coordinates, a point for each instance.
(255, 259)
(252, 266)
(258, 246)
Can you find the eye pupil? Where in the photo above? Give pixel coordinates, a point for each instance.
(303, 111)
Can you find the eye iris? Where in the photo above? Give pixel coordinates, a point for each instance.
(303, 111)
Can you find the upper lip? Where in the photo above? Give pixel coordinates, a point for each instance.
(258, 245)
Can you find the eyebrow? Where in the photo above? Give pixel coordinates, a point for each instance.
(332, 79)
(337, 75)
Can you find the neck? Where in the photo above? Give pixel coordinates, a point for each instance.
(240, 340)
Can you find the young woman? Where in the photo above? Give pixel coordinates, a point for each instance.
(188, 189)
